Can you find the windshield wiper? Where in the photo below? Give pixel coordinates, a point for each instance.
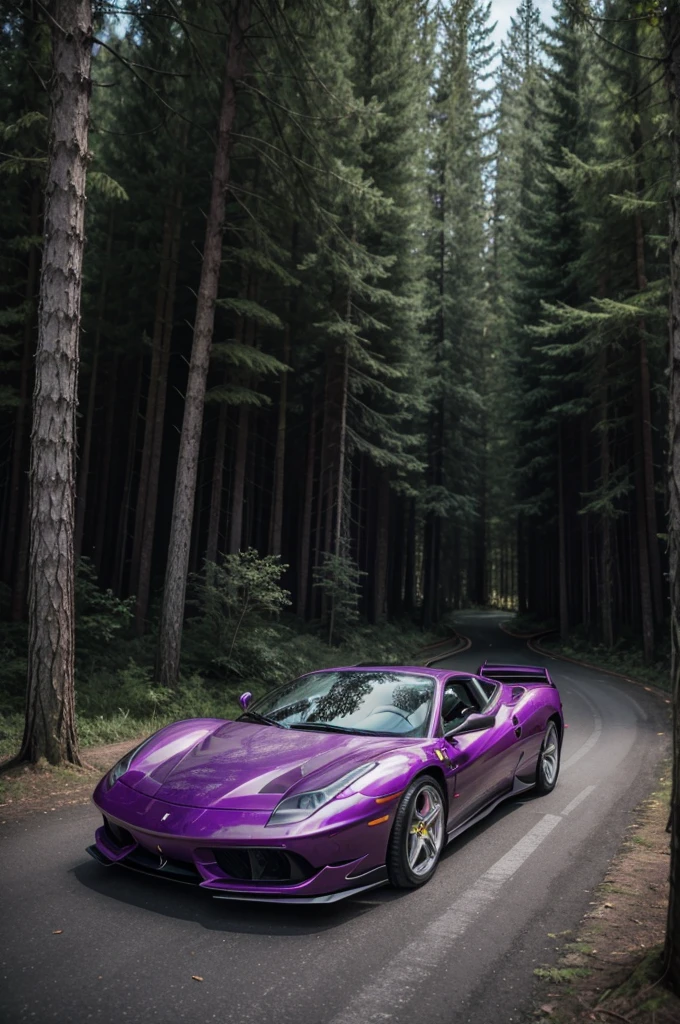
(262, 719)
(328, 727)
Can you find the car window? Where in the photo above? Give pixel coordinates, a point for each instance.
(460, 699)
(361, 700)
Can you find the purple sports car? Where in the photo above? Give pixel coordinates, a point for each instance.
(338, 782)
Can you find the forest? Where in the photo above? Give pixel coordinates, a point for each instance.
(433, 372)
(318, 322)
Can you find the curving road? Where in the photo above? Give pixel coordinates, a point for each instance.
(462, 949)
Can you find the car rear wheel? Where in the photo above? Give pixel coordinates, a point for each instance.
(418, 834)
(548, 767)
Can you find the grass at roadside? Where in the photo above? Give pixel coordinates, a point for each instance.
(625, 658)
(610, 967)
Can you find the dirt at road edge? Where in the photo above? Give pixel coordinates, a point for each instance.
(609, 968)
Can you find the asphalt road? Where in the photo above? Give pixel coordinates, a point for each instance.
(462, 949)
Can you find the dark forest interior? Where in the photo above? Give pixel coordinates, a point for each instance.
(437, 371)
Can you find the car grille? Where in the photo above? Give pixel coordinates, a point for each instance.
(262, 864)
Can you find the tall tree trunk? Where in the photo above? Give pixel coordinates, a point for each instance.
(410, 566)
(50, 728)
(84, 469)
(151, 399)
(172, 614)
(562, 539)
(585, 528)
(105, 469)
(21, 416)
(646, 603)
(647, 476)
(239, 481)
(522, 569)
(156, 442)
(381, 548)
(606, 591)
(124, 513)
(18, 605)
(339, 520)
(672, 947)
(306, 528)
(649, 485)
(216, 485)
(280, 455)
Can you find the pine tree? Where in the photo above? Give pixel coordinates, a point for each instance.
(50, 729)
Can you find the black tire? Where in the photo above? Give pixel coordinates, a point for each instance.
(399, 869)
(548, 767)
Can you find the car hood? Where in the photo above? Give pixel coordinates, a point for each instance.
(247, 766)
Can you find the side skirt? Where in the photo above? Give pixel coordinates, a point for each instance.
(517, 787)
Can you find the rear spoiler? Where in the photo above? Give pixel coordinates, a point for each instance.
(522, 675)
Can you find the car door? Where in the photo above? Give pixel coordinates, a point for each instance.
(481, 764)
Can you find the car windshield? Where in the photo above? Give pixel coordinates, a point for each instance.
(361, 701)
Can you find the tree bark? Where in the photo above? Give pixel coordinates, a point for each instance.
(170, 636)
(21, 418)
(672, 946)
(50, 728)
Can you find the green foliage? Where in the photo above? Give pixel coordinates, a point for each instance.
(558, 975)
(626, 657)
(339, 579)
(101, 617)
(230, 593)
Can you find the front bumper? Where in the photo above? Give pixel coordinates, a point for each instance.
(185, 844)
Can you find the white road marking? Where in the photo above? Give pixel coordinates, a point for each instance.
(397, 983)
(577, 800)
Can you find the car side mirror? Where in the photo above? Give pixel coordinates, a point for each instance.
(473, 723)
(245, 699)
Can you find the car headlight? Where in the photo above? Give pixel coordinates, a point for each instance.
(119, 769)
(298, 807)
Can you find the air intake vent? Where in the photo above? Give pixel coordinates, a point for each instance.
(262, 864)
(117, 835)
(517, 692)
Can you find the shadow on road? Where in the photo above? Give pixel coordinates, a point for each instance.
(190, 903)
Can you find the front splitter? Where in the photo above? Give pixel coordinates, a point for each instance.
(244, 895)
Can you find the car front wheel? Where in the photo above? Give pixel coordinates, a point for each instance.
(418, 834)
(548, 767)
